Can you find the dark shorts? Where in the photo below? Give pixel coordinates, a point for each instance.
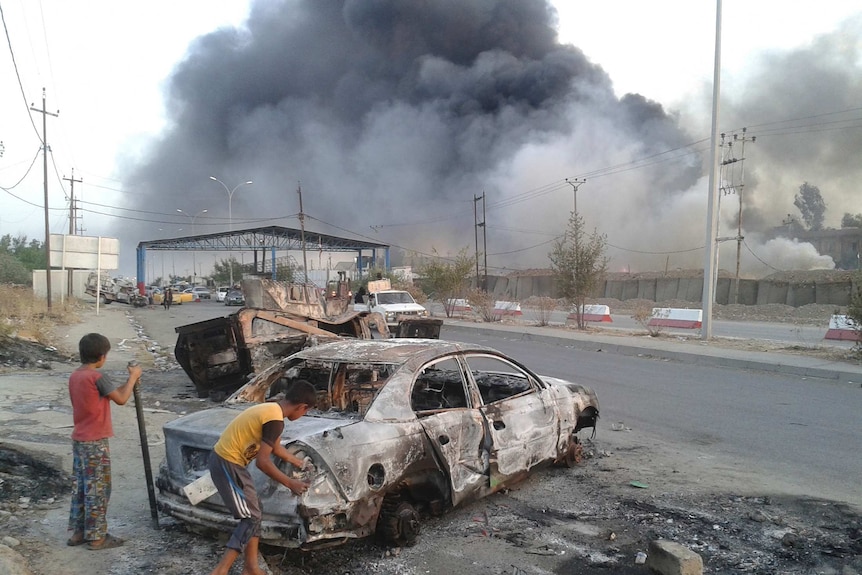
(237, 490)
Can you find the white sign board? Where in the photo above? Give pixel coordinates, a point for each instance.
(84, 252)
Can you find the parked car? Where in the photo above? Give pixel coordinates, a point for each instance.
(221, 292)
(234, 297)
(159, 296)
(201, 292)
(402, 427)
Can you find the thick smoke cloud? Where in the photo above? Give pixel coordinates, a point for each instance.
(394, 113)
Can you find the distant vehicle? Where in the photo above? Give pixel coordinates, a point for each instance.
(177, 299)
(202, 292)
(234, 297)
(221, 292)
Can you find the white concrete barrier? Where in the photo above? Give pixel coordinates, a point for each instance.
(507, 308)
(676, 317)
(843, 328)
(594, 313)
(458, 305)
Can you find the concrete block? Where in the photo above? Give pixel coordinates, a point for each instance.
(723, 289)
(670, 558)
(800, 294)
(835, 293)
(647, 289)
(666, 289)
(747, 292)
(614, 289)
(630, 289)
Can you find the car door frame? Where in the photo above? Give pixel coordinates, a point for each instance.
(524, 427)
(465, 455)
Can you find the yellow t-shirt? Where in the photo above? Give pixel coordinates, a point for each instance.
(240, 441)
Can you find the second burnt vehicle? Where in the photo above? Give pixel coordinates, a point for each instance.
(403, 427)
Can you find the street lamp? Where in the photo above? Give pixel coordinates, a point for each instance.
(193, 233)
(230, 216)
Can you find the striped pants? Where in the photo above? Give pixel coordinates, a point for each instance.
(91, 466)
(237, 490)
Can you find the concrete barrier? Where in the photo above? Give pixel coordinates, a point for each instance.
(675, 317)
(458, 305)
(593, 313)
(502, 308)
(842, 327)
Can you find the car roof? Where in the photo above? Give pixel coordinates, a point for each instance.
(395, 350)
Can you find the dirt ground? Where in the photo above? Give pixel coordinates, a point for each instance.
(591, 519)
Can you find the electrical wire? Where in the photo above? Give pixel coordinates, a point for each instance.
(18, 75)
(758, 258)
(13, 186)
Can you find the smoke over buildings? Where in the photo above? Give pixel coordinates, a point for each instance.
(394, 113)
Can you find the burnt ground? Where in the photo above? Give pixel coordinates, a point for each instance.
(18, 353)
(588, 520)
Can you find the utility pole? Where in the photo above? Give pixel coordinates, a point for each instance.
(576, 183)
(72, 225)
(302, 231)
(712, 203)
(739, 188)
(45, 113)
(73, 208)
(484, 243)
(476, 233)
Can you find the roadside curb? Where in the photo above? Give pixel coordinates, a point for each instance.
(804, 367)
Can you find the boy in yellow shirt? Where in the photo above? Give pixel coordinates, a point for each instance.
(254, 435)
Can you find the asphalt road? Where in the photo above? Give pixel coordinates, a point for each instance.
(802, 431)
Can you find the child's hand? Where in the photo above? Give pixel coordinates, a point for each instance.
(298, 487)
(135, 372)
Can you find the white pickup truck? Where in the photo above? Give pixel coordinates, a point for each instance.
(391, 304)
(404, 316)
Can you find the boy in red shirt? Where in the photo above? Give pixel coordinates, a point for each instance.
(92, 392)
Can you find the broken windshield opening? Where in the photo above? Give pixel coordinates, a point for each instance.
(343, 388)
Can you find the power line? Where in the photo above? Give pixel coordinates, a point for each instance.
(17, 74)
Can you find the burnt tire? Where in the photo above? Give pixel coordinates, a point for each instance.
(399, 523)
(572, 455)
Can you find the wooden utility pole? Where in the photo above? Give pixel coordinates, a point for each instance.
(45, 148)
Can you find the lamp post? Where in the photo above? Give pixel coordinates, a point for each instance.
(230, 217)
(193, 233)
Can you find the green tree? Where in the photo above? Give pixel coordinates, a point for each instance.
(579, 263)
(445, 280)
(851, 220)
(31, 253)
(221, 271)
(12, 271)
(811, 205)
(854, 310)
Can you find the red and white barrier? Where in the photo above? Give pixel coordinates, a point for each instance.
(594, 313)
(507, 308)
(458, 305)
(843, 328)
(675, 317)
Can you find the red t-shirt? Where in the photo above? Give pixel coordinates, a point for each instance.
(91, 407)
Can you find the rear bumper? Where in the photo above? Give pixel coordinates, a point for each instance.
(272, 532)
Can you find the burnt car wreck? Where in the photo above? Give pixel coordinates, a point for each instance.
(220, 354)
(403, 427)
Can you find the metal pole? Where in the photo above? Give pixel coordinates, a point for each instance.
(302, 231)
(230, 219)
(712, 206)
(145, 450)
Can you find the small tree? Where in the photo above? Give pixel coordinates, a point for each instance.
(811, 205)
(854, 311)
(579, 263)
(221, 271)
(445, 279)
(851, 220)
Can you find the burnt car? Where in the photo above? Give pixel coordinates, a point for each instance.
(403, 427)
